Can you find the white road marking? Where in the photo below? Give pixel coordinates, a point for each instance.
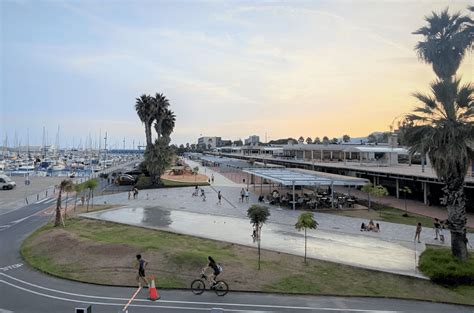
(41, 201)
(12, 223)
(11, 267)
(194, 302)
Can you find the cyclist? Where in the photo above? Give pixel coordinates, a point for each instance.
(216, 269)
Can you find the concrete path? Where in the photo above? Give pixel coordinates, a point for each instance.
(337, 238)
(413, 206)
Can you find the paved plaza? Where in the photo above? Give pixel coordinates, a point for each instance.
(337, 238)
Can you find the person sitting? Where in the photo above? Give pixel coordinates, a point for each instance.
(261, 198)
(363, 227)
(371, 225)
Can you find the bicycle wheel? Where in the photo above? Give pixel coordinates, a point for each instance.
(221, 288)
(198, 286)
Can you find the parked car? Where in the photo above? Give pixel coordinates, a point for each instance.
(6, 182)
(125, 179)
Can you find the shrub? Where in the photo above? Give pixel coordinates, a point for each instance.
(442, 268)
(143, 182)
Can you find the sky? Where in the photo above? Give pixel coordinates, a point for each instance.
(229, 68)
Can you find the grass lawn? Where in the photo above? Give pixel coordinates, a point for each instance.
(107, 255)
(438, 264)
(389, 214)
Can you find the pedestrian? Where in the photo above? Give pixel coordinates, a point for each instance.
(247, 195)
(129, 194)
(437, 227)
(203, 194)
(141, 265)
(212, 178)
(418, 232)
(219, 197)
(441, 234)
(82, 200)
(242, 195)
(135, 193)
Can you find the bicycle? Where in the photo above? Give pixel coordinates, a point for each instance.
(199, 285)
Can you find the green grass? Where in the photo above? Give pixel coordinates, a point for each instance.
(177, 259)
(391, 215)
(441, 267)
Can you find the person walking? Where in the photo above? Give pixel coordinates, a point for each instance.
(203, 194)
(437, 227)
(242, 195)
(141, 265)
(212, 178)
(418, 232)
(129, 194)
(247, 195)
(219, 197)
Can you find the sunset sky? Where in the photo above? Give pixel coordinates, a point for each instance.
(229, 68)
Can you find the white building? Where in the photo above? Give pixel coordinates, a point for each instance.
(252, 140)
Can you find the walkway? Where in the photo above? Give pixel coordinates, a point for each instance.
(412, 206)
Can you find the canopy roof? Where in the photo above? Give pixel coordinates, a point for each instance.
(298, 177)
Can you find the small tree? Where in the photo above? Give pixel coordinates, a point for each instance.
(305, 221)
(90, 185)
(309, 140)
(374, 191)
(195, 172)
(65, 186)
(258, 215)
(78, 189)
(346, 138)
(405, 190)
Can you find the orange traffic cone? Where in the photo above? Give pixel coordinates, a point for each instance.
(153, 291)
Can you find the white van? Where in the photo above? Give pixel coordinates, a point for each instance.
(6, 182)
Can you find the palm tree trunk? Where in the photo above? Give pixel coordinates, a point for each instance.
(456, 205)
(148, 134)
(57, 221)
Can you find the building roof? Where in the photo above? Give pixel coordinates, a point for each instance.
(298, 177)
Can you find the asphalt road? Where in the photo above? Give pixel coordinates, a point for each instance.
(23, 289)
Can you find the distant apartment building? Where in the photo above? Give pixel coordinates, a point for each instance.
(252, 140)
(209, 142)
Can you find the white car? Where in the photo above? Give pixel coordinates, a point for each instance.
(6, 182)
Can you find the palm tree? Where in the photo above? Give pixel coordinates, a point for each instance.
(78, 189)
(325, 140)
(64, 186)
(146, 112)
(161, 106)
(443, 130)
(91, 184)
(158, 158)
(317, 140)
(309, 140)
(305, 221)
(447, 37)
(168, 124)
(258, 215)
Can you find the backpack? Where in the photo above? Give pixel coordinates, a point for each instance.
(219, 268)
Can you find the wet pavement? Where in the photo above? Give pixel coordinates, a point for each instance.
(359, 250)
(337, 238)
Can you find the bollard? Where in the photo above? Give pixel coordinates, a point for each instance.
(46, 192)
(26, 199)
(37, 196)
